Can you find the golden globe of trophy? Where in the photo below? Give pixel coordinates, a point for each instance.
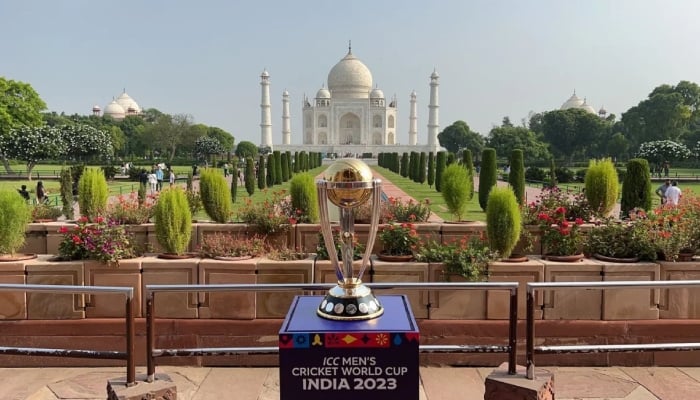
(348, 183)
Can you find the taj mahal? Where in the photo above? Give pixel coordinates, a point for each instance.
(350, 115)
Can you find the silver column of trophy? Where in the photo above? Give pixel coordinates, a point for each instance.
(348, 183)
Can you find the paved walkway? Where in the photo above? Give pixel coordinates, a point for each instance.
(203, 383)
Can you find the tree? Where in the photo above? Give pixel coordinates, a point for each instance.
(234, 181)
(421, 167)
(262, 176)
(249, 176)
(225, 138)
(404, 165)
(516, 177)
(469, 165)
(663, 150)
(636, 186)
(20, 106)
(83, 142)
(440, 165)
(602, 185)
(168, 132)
(505, 139)
(572, 132)
(458, 136)
(205, 147)
(488, 176)
(32, 144)
(246, 149)
(431, 169)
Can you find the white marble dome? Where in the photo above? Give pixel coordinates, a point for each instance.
(376, 94)
(588, 108)
(350, 78)
(128, 103)
(573, 102)
(323, 93)
(115, 110)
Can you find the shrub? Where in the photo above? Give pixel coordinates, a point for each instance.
(454, 190)
(422, 167)
(269, 216)
(487, 176)
(411, 211)
(67, 193)
(110, 171)
(262, 182)
(431, 169)
(413, 166)
(216, 197)
(534, 174)
(92, 193)
(173, 220)
(440, 165)
(249, 176)
(602, 186)
(516, 178)
(234, 182)
(285, 167)
(358, 248)
(45, 211)
(228, 245)
(270, 171)
(564, 175)
(636, 187)
(15, 214)
(130, 210)
(102, 240)
(302, 190)
(469, 165)
(404, 165)
(503, 221)
(277, 162)
(467, 257)
(399, 239)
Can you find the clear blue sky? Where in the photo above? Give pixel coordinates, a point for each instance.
(204, 58)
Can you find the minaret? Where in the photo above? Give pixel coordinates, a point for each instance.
(433, 120)
(413, 121)
(266, 116)
(286, 124)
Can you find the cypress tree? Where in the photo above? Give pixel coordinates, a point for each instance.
(451, 158)
(234, 180)
(431, 169)
(487, 177)
(404, 165)
(262, 182)
(516, 177)
(412, 168)
(469, 165)
(289, 164)
(636, 186)
(296, 162)
(421, 167)
(249, 176)
(440, 165)
(397, 163)
(277, 158)
(67, 193)
(285, 168)
(602, 185)
(270, 171)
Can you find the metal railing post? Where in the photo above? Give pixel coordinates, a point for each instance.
(530, 335)
(513, 331)
(150, 338)
(130, 343)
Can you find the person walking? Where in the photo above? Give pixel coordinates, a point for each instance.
(673, 194)
(661, 190)
(41, 193)
(159, 178)
(171, 178)
(153, 181)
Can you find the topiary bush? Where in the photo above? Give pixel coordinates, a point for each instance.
(565, 175)
(487, 176)
(262, 182)
(404, 165)
(215, 194)
(602, 186)
(302, 190)
(15, 214)
(469, 165)
(636, 186)
(431, 169)
(516, 178)
(503, 222)
(249, 176)
(454, 190)
(93, 193)
(234, 182)
(535, 174)
(67, 193)
(422, 166)
(173, 221)
(440, 165)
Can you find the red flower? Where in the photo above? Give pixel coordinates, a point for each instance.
(579, 221)
(560, 210)
(63, 229)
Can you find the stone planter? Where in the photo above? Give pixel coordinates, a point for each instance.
(35, 239)
(306, 236)
(140, 235)
(49, 305)
(53, 237)
(157, 271)
(451, 232)
(276, 304)
(126, 273)
(454, 304)
(13, 305)
(204, 229)
(680, 302)
(232, 305)
(628, 304)
(498, 301)
(383, 271)
(571, 303)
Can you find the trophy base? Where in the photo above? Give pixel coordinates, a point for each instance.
(352, 303)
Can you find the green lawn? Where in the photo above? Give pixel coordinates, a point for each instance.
(423, 191)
